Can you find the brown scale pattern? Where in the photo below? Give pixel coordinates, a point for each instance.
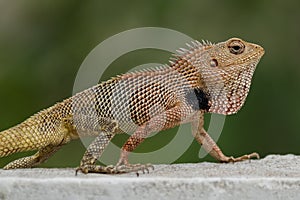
(204, 77)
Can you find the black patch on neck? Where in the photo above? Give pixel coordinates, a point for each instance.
(198, 99)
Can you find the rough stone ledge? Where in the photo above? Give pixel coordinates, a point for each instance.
(274, 177)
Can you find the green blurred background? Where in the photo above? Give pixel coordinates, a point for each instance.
(43, 43)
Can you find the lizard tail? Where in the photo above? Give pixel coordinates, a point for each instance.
(17, 139)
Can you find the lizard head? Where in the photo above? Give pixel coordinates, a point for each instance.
(234, 53)
(226, 70)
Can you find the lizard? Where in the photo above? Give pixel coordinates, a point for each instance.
(200, 78)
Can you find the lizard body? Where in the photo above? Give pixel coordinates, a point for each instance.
(205, 77)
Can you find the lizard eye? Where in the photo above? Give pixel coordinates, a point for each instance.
(236, 47)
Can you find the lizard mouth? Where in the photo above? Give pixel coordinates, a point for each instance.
(256, 52)
(251, 56)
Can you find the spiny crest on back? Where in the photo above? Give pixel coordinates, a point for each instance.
(160, 68)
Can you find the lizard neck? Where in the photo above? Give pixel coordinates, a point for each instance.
(228, 88)
(196, 94)
(189, 72)
(233, 90)
(225, 89)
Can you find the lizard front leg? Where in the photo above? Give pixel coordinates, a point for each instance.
(169, 119)
(211, 147)
(133, 141)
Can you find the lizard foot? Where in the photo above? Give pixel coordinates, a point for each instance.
(126, 168)
(118, 169)
(241, 158)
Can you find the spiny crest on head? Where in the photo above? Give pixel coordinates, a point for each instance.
(191, 47)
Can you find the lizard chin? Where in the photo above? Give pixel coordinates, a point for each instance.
(229, 95)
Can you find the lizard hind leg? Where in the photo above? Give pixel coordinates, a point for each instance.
(95, 150)
(39, 157)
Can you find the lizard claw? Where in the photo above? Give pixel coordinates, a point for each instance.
(241, 158)
(118, 169)
(133, 168)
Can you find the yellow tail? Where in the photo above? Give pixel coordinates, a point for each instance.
(18, 139)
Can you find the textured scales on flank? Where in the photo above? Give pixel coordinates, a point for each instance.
(205, 77)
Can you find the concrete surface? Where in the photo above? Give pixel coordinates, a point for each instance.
(274, 177)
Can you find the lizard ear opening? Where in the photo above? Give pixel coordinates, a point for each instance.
(213, 62)
(236, 47)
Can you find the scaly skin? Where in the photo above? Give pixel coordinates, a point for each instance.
(205, 77)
